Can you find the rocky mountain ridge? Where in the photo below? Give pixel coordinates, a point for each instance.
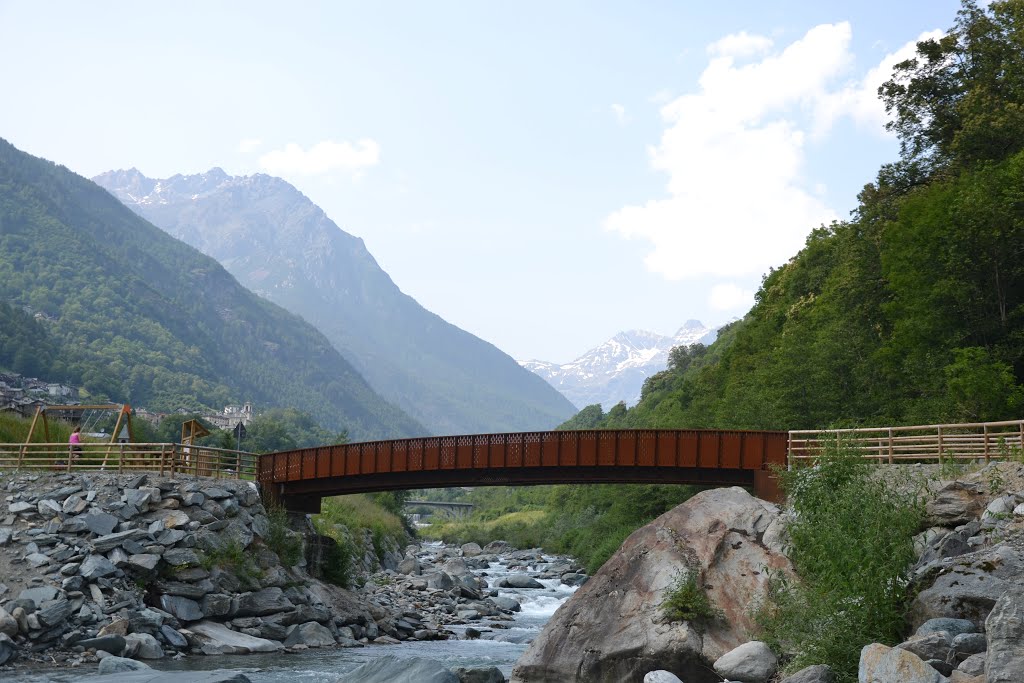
(615, 370)
(281, 245)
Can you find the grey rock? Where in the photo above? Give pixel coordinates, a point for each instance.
(410, 566)
(144, 645)
(8, 649)
(519, 581)
(74, 525)
(39, 594)
(145, 562)
(107, 542)
(49, 508)
(21, 508)
(8, 624)
(969, 643)
(574, 579)
(170, 536)
(115, 645)
(181, 557)
(96, 567)
(184, 609)
(819, 673)
(145, 620)
(173, 638)
(752, 662)
(492, 674)
(955, 503)
(6, 533)
(216, 605)
(1004, 629)
(934, 645)
(311, 634)
(953, 627)
(392, 669)
(973, 665)
(507, 604)
(74, 505)
(217, 639)
(882, 664)
(266, 601)
(118, 557)
(215, 493)
(55, 612)
(115, 665)
(195, 590)
(99, 523)
(37, 560)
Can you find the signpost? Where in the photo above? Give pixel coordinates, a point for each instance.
(239, 433)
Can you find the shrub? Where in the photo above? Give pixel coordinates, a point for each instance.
(851, 544)
(686, 600)
(281, 539)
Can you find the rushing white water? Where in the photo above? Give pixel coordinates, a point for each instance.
(497, 647)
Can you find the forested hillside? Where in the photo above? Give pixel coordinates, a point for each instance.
(134, 315)
(910, 312)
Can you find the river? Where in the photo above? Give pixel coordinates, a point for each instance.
(500, 648)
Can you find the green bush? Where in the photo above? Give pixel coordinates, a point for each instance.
(282, 540)
(336, 564)
(851, 544)
(686, 600)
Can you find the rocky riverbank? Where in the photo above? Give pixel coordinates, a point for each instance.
(966, 622)
(144, 567)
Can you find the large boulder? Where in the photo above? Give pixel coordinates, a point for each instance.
(216, 639)
(752, 662)
(968, 586)
(613, 628)
(955, 503)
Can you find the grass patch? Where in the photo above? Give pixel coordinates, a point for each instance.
(233, 559)
(342, 517)
(851, 544)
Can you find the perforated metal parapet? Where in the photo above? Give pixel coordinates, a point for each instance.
(643, 456)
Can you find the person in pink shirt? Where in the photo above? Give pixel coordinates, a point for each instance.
(75, 443)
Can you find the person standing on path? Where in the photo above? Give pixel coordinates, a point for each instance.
(75, 443)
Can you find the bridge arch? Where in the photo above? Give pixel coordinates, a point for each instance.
(298, 479)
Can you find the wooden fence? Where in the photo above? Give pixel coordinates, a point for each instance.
(164, 458)
(982, 441)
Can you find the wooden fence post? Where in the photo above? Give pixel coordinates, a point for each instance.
(939, 432)
(984, 431)
(890, 446)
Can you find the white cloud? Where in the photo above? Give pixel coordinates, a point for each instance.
(730, 297)
(619, 112)
(734, 152)
(249, 144)
(740, 45)
(859, 100)
(322, 157)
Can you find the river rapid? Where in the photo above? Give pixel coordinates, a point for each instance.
(496, 647)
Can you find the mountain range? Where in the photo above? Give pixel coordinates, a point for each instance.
(282, 246)
(615, 370)
(132, 314)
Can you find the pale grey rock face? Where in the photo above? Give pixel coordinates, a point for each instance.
(752, 662)
(955, 503)
(970, 585)
(934, 645)
(391, 669)
(144, 645)
(1004, 629)
(114, 665)
(717, 533)
(661, 676)
(96, 567)
(217, 639)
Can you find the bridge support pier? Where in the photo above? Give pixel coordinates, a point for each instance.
(766, 487)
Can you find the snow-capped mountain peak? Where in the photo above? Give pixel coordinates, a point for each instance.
(615, 370)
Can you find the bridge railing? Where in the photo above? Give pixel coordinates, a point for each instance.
(164, 458)
(938, 442)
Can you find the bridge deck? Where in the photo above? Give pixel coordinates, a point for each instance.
(298, 479)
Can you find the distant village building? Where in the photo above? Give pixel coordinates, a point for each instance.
(231, 416)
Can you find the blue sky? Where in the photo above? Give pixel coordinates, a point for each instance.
(542, 174)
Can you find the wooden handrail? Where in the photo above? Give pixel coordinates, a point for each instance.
(957, 441)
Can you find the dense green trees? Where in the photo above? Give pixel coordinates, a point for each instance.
(911, 311)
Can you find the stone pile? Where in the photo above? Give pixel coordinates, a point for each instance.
(144, 566)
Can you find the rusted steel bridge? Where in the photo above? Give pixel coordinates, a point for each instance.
(299, 479)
